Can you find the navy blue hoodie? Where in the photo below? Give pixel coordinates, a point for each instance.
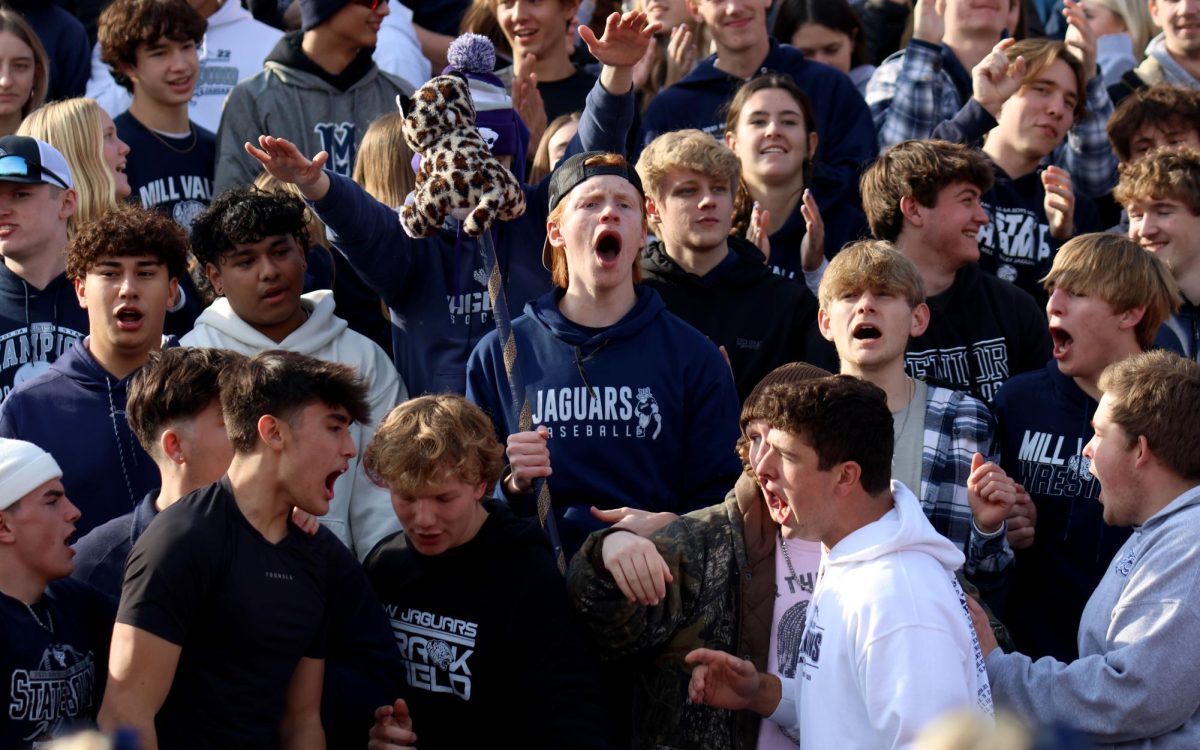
(1043, 421)
(76, 412)
(1181, 332)
(642, 413)
(436, 288)
(847, 133)
(36, 326)
(1016, 244)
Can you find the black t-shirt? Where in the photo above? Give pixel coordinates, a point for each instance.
(982, 331)
(52, 676)
(565, 96)
(243, 610)
(488, 640)
(173, 175)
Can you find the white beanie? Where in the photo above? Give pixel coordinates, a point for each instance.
(23, 468)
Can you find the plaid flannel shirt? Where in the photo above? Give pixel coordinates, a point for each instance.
(911, 93)
(957, 425)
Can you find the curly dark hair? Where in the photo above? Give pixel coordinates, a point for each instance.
(128, 231)
(247, 215)
(125, 24)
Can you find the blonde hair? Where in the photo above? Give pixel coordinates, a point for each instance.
(1115, 269)
(686, 149)
(383, 166)
(1139, 24)
(12, 22)
(427, 440)
(874, 266)
(75, 128)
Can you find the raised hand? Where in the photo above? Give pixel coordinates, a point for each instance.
(527, 100)
(760, 219)
(636, 567)
(1060, 202)
(812, 247)
(990, 493)
(929, 21)
(529, 458)
(1022, 520)
(995, 79)
(625, 39)
(681, 54)
(284, 161)
(1080, 38)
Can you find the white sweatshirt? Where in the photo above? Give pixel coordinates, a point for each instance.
(234, 48)
(361, 513)
(888, 645)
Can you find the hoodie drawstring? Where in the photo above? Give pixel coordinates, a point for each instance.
(581, 360)
(112, 413)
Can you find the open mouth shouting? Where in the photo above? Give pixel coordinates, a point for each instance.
(608, 248)
(330, 479)
(129, 318)
(866, 332)
(1062, 341)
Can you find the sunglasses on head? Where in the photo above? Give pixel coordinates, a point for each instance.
(14, 165)
(370, 4)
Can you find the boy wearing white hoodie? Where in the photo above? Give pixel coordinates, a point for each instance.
(888, 644)
(252, 245)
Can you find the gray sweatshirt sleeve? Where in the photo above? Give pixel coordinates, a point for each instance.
(1138, 632)
(239, 123)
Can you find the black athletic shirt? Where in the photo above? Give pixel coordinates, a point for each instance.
(243, 610)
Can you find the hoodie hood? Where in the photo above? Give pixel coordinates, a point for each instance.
(287, 60)
(743, 266)
(646, 308)
(904, 528)
(219, 326)
(78, 364)
(226, 14)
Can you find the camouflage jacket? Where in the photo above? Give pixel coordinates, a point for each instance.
(722, 559)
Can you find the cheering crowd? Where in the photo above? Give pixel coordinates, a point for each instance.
(823, 374)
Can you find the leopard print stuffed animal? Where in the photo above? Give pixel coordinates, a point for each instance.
(457, 168)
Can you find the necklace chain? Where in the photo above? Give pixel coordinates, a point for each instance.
(787, 558)
(48, 628)
(163, 141)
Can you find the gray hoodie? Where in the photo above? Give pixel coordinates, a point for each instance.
(289, 100)
(1133, 685)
